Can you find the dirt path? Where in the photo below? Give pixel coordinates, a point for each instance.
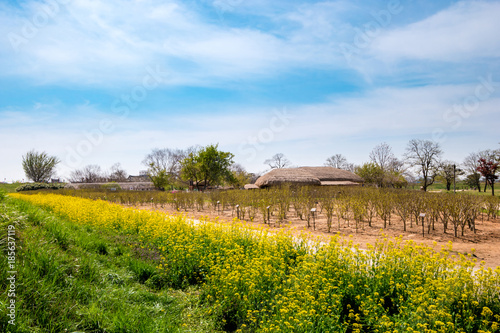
(485, 242)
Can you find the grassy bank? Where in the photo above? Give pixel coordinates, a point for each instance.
(9, 188)
(78, 278)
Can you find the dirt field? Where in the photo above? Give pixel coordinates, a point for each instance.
(486, 240)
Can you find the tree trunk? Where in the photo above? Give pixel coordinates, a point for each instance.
(493, 187)
(425, 178)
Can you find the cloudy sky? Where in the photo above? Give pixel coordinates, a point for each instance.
(106, 81)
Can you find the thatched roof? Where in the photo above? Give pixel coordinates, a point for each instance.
(326, 173)
(294, 176)
(308, 176)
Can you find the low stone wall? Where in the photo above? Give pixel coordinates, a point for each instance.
(128, 186)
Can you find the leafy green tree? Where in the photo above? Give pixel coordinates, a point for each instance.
(160, 178)
(371, 173)
(39, 167)
(394, 179)
(448, 172)
(473, 180)
(208, 166)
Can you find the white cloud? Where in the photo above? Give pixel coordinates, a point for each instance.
(103, 43)
(109, 43)
(467, 30)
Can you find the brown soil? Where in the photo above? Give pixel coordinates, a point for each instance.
(485, 241)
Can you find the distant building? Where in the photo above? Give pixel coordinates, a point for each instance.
(140, 178)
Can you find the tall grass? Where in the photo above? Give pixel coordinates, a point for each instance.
(75, 278)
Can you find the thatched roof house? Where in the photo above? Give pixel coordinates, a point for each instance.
(327, 176)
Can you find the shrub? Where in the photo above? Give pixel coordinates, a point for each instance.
(40, 186)
(113, 186)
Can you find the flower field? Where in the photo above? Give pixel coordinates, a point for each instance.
(257, 281)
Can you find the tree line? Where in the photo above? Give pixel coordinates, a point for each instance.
(422, 162)
(205, 167)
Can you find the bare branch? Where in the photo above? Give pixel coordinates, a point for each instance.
(278, 161)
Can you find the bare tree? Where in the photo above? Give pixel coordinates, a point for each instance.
(89, 174)
(254, 177)
(164, 165)
(350, 167)
(425, 155)
(278, 161)
(470, 164)
(393, 170)
(166, 159)
(338, 161)
(382, 156)
(117, 174)
(39, 167)
(397, 165)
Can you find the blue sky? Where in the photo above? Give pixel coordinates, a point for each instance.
(100, 82)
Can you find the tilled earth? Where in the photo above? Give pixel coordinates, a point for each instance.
(485, 243)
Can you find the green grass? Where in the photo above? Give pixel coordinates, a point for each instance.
(487, 193)
(459, 186)
(10, 188)
(78, 279)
